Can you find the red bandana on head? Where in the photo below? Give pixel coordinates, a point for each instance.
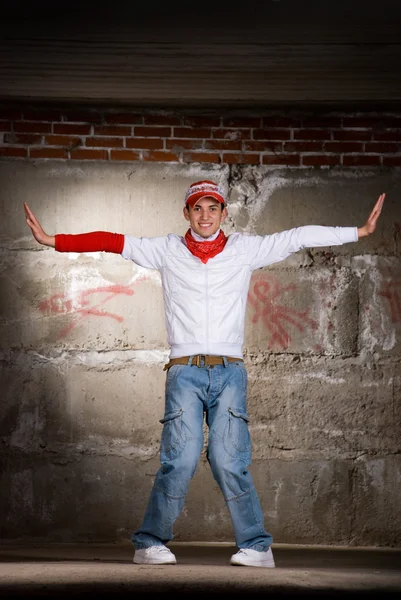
(205, 250)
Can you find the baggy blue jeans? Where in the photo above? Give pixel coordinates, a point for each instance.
(219, 392)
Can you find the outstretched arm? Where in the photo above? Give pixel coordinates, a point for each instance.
(37, 230)
(94, 241)
(370, 224)
(268, 249)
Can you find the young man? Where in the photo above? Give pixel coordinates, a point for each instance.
(205, 278)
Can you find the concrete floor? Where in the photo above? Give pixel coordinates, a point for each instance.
(107, 571)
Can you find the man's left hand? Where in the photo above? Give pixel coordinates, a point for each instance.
(370, 224)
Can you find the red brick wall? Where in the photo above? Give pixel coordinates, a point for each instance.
(269, 138)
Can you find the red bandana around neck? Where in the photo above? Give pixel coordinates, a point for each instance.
(205, 250)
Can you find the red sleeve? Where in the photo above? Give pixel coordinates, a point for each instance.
(96, 241)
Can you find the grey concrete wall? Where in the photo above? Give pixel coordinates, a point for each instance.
(83, 345)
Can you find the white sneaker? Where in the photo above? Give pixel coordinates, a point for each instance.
(247, 557)
(154, 555)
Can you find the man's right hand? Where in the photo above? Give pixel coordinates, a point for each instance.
(36, 228)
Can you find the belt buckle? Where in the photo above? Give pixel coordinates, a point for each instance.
(199, 358)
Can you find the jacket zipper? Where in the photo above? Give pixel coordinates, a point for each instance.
(207, 308)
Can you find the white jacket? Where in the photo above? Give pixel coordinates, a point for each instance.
(205, 304)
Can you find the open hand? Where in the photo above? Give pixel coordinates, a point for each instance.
(36, 228)
(370, 224)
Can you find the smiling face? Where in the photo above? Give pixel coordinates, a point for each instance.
(206, 216)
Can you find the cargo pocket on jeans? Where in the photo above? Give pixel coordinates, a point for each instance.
(172, 440)
(237, 439)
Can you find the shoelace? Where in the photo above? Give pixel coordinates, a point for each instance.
(159, 549)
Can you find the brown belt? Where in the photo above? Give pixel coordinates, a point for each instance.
(197, 360)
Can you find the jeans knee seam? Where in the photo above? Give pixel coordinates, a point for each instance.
(239, 496)
(169, 495)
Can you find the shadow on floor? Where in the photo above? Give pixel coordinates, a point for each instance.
(107, 571)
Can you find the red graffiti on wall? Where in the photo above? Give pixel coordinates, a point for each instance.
(391, 291)
(263, 298)
(80, 305)
(327, 291)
